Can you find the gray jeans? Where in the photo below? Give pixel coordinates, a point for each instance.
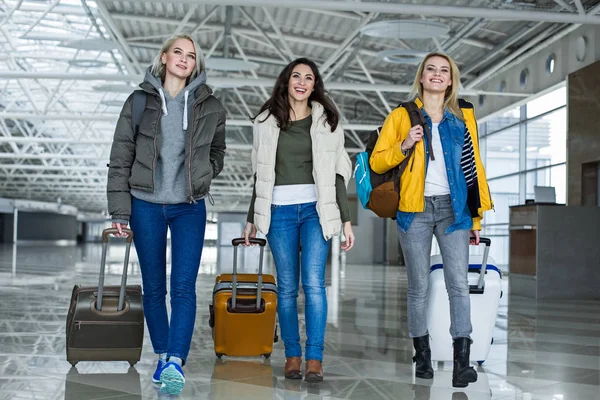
(416, 246)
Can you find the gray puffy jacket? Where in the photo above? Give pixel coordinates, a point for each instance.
(133, 158)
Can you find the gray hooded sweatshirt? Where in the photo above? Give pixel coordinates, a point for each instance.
(169, 177)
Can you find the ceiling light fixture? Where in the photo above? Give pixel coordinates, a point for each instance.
(405, 29)
(413, 57)
(87, 63)
(97, 44)
(114, 88)
(112, 103)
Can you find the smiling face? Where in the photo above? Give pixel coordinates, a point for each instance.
(180, 60)
(301, 83)
(437, 75)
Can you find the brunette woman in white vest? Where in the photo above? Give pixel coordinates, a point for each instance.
(301, 171)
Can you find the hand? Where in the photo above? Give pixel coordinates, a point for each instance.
(349, 235)
(414, 135)
(474, 238)
(120, 228)
(249, 232)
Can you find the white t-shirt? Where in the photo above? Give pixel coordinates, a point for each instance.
(436, 181)
(284, 195)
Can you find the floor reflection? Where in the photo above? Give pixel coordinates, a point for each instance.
(541, 350)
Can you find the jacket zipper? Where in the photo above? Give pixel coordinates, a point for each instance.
(155, 150)
(191, 134)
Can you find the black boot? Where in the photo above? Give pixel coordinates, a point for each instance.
(462, 374)
(422, 357)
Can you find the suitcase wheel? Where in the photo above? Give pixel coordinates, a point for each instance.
(219, 355)
(480, 363)
(267, 355)
(132, 363)
(73, 363)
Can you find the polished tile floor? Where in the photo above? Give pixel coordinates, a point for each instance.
(547, 350)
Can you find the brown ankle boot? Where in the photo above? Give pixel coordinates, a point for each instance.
(292, 368)
(314, 371)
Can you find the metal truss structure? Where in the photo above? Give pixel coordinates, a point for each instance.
(66, 67)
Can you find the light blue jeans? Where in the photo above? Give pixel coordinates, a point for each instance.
(416, 246)
(295, 228)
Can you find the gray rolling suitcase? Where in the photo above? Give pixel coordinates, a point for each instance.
(106, 323)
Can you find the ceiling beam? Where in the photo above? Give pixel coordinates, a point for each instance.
(531, 47)
(493, 14)
(219, 27)
(237, 82)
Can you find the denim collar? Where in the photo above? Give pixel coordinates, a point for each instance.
(447, 114)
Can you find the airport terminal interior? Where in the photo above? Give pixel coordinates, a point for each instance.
(531, 70)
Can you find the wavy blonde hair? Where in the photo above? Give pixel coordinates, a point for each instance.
(159, 70)
(451, 96)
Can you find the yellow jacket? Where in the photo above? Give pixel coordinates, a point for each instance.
(387, 155)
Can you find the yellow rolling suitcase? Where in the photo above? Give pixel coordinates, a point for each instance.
(244, 309)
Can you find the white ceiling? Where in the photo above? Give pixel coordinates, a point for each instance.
(60, 93)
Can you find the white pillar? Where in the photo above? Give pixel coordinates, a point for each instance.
(15, 231)
(15, 224)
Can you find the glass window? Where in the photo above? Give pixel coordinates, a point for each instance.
(505, 193)
(554, 176)
(547, 102)
(502, 152)
(503, 120)
(547, 140)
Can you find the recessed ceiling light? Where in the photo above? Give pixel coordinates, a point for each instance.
(87, 63)
(402, 56)
(114, 88)
(98, 44)
(405, 29)
(230, 64)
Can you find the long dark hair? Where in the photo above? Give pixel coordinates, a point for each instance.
(278, 104)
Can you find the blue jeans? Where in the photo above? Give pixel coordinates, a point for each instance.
(187, 223)
(294, 227)
(416, 246)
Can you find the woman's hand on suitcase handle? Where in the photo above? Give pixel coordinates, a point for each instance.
(120, 228)
(474, 238)
(349, 235)
(249, 232)
(414, 135)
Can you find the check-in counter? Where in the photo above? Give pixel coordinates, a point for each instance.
(554, 251)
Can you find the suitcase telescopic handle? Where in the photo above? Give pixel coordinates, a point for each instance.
(114, 231)
(236, 242)
(486, 253)
(129, 240)
(258, 241)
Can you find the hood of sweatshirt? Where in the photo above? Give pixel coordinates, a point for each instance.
(197, 87)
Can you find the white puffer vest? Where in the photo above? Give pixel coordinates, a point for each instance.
(329, 158)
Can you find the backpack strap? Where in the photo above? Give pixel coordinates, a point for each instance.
(137, 109)
(416, 118)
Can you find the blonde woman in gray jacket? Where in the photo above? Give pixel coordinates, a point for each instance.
(157, 180)
(299, 201)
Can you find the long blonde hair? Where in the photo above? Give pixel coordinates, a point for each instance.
(451, 96)
(159, 70)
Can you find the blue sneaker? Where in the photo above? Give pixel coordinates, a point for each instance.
(172, 379)
(159, 367)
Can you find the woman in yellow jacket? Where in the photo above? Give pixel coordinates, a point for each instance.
(443, 192)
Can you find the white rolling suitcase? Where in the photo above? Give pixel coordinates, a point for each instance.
(485, 288)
